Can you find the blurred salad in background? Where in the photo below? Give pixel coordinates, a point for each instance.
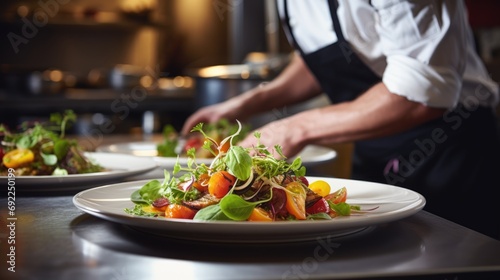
(42, 149)
(215, 131)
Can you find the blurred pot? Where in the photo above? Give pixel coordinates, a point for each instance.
(125, 76)
(120, 76)
(215, 84)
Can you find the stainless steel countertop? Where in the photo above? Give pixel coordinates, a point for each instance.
(55, 240)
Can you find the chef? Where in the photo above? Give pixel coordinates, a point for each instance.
(406, 86)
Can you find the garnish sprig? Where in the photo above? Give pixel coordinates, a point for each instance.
(268, 165)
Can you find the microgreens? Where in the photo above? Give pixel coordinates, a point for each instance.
(241, 162)
(63, 120)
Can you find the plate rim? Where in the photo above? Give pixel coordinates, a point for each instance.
(27, 183)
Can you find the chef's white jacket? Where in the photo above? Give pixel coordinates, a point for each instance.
(423, 49)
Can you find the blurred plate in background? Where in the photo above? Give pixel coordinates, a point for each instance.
(311, 155)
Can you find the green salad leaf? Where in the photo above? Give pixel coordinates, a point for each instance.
(150, 191)
(238, 209)
(239, 162)
(211, 213)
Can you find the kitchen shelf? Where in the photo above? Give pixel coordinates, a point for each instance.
(171, 106)
(71, 23)
(94, 101)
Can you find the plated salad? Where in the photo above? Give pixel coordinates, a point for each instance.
(42, 149)
(240, 184)
(216, 131)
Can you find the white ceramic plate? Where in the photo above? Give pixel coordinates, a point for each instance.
(310, 155)
(393, 203)
(120, 167)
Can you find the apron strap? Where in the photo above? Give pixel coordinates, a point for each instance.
(334, 4)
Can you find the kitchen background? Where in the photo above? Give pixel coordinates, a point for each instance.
(132, 66)
(129, 60)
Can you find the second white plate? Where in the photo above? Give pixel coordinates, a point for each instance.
(311, 155)
(119, 167)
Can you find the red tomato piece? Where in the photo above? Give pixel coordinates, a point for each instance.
(337, 197)
(304, 180)
(321, 206)
(193, 142)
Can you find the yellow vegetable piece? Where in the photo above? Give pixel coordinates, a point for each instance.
(153, 210)
(320, 187)
(18, 157)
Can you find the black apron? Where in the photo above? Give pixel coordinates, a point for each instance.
(452, 161)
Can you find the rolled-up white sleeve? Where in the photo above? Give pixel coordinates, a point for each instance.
(425, 46)
(433, 86)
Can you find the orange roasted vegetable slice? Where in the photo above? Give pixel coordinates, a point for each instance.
(259, 215)
(220, 182)
(179, 212)
(296, 200)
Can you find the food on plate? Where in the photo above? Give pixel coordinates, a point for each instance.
(42, 149)
(215, 131)
(241, 184)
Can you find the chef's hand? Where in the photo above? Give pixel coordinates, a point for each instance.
(284, 132)
(212, 113)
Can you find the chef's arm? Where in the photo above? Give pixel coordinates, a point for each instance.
(375, 113)
(294, 84)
